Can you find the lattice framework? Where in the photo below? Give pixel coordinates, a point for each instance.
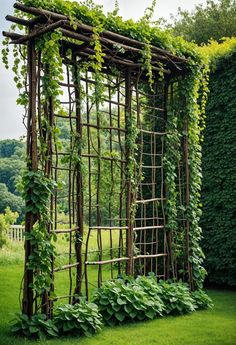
(98, 191)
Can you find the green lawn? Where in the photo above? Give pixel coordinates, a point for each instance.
(211, 327)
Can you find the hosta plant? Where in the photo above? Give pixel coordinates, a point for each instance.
(82, 318)
(36, 327)
(125, 300)
(201, 299)
(176, 297)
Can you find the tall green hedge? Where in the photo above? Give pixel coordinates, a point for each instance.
(219, 175)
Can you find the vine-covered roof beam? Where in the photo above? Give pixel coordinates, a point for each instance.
(83, 37)
(20, 39)
(122, 61)
(129, 58)
(107, 34)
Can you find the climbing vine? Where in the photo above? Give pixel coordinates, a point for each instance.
(36, 191)
(170, 162)
(131, 147)
(48, 47)
(187, 106)
(193, 211)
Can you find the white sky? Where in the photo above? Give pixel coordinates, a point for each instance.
(10, 114)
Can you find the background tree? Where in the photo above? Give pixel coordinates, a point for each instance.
(10, 147)
(215, 20)
(11, 200)
(6, 219)
(12, 163)
(10, 171)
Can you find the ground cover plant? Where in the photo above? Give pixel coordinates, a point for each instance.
(201, 299)
(35, 327)
(81, 318)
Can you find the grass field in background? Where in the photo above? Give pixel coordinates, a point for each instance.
(13, 254)
(14, 251)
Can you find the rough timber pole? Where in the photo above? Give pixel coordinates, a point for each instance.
(47, 303)
(79, 184)
(187, 197)
(129, 198)
(30, 218)
(168, 241)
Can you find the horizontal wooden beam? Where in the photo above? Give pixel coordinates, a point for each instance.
(64, 231)
(65, 267)
(17, 20)
(145, 201)
(11, 35)
(38, 11)
(146, 256)
(106, 261)
(40, 32)
(108, 227)
(149, 227)
(28, 23)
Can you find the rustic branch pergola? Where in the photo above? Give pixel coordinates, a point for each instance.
(138, 243)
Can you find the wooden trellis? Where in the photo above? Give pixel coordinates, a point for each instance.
(139, 241)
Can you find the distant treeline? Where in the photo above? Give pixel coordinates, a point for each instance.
(12, 162)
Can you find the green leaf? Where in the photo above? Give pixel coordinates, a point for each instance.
(16, 328)
(120, 316)
(33, 329)
(120, 301)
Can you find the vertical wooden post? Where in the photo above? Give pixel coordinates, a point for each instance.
(130, 196)
(167, 233)
(30, 218)
(47, 304)
(89, 187)
(187, 198)
(79, 184)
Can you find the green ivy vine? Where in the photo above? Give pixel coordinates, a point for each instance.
(194, 113)
(170, 162)
(188, 104)
(132, 166)
(37, 190)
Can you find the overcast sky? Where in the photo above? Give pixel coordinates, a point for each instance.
(10, 114)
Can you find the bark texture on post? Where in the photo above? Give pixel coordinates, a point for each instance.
(30, 219)
(130, 196)
(79, 184)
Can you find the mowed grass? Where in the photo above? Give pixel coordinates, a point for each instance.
(13, 253)
(210, 327)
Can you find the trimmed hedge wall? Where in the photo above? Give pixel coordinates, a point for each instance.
(219, 175)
